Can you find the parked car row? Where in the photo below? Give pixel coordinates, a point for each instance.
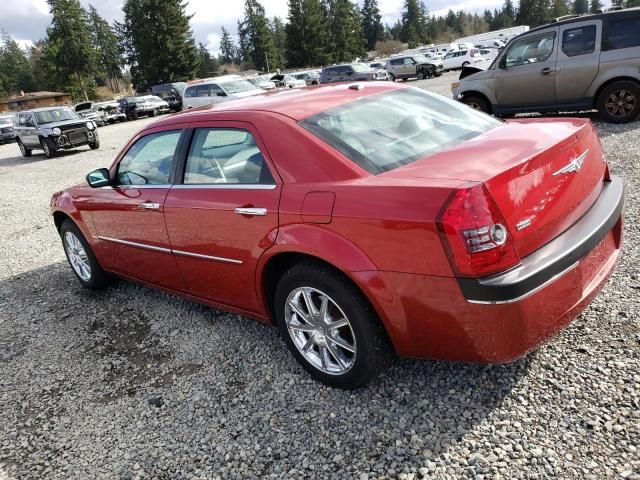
(7, 131)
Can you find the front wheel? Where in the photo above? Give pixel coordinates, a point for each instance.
(48, 148)
(421, 75)
(392, 77)
(477, 103)
(330, 327)
(81, 258)
(95, 144)
(619, 102)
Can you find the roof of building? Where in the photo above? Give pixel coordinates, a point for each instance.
(33, 96)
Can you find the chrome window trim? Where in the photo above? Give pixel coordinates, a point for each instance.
(167, 250)
(134, 244)
(158, 185)
(225, 186)
(207, 257)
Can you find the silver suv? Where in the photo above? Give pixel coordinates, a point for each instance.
(53, 129)
(581, 63)
(413, 66)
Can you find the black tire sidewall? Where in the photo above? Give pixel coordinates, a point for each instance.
(485, 107)
(372, 346)
(94, 145)
(24, 150)
(46, 144)
(99, 278)
(604, 94)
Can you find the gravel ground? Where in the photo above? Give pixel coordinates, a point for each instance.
(131, 383)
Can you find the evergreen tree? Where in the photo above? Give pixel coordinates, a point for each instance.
(44, 73)
(509, 10)
(347, 41)
(158, 42)
(580, 6)
(534, 12)
(279, 39)
(243, 52)
(70, 46)
(559, 8)
(208, 63)
(595, 6)
(308, 35)
(412, 23)
(227, 47)
(630, 3)
(15, 69)
(107, 45)
(372, 23)
(256, 35)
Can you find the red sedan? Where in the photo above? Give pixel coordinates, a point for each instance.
(361, 219)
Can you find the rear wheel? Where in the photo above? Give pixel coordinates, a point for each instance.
(26, 152)
(330, 327)
(48, 147)
(81, 258)
(619, 102)
(477, 103)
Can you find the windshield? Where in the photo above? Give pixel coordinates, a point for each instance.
(57, 115)
(358, 67)
(421, 59)
(237, 86)
(387, 130)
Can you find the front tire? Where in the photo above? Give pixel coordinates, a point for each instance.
(619, 102)
(81, 258)
(330, 327)
(26, 152)
(392, 77)
(48, 148)
(95, 144)
(477, 103)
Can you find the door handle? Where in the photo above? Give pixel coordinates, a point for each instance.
(547, 71)
(251, 211)
(149, 206)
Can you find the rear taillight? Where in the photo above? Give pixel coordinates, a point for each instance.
(475, 234)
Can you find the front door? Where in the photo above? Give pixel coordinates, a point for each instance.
(224, 215)
(526, 76)
(129, 216)
(28, 131)
(578, 60)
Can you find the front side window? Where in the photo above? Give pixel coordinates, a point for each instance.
(387, 130)
(408, 61)
(622, 33)
(149, 160)
(530, 50)
(202, 91)
(579, 41)
(225, 156)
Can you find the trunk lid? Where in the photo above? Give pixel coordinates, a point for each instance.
(543, 174)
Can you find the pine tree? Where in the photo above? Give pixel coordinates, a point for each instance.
(412, 23)
(158, 42)
(580, 6)
(595, 6)
(279, 39)
(372, 23)
(255, 33)
(347, 41)
(208, 63)
(630, 3)
(534, 12)
(509, 10)
(227, 47)
(70, 45)
(308, 35)
(15, 69)
(559, 8)
(107, 45)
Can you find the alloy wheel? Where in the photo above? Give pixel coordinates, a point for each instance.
(77, 256)
(620, 103)
(320, 330)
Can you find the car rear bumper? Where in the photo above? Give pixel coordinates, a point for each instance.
(430, 317)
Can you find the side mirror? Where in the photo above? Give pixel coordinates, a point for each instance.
(98, 178)
(503, 63)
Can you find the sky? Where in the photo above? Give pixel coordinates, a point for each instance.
(27, 20)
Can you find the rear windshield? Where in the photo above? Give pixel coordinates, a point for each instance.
(388, 130)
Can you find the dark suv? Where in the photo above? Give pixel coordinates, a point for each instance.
(348, 73)
(52, 129)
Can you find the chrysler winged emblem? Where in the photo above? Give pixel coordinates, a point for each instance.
(574, 165)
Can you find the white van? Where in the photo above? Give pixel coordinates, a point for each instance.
(217, 90)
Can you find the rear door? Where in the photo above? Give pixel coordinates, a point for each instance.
(526, 76)
(578, 60)
(223, 214)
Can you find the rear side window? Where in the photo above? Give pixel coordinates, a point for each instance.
(149, 160)
(622, 33)
(225, 156)
(387, 130)
(396, 62)
(579, 41)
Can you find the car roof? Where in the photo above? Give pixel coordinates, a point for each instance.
(297, 104)
(585, 18)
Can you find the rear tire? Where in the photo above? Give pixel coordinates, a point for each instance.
(619, 102)
(346, 356)
(26, 152)
(477, 103)
(48, 148)
(83, 262)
